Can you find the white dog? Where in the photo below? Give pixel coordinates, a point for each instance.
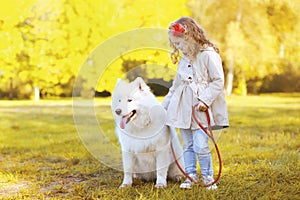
(144, 138)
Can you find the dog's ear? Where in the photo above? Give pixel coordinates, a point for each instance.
(140, 83)
(120, 82)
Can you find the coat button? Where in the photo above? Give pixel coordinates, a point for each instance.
(190, 78)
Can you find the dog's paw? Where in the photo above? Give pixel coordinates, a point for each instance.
(124, 185)
(177, 178)
(160, 185)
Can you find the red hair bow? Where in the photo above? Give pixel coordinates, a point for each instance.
(177, 29)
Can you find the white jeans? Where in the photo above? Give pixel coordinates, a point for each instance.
(196, 143)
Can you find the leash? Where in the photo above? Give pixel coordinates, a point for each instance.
(211, 136)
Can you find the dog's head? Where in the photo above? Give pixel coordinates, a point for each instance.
(129, 101)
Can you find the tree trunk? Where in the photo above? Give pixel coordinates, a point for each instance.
(11, 87)
(229, 81)
(36, 94)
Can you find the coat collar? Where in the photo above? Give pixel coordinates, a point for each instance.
(207, 49)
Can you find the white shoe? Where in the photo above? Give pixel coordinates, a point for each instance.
(187, 184)
(208, 180)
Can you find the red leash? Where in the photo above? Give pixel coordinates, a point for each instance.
(211, 136)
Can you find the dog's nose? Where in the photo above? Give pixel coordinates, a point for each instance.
(118, 111)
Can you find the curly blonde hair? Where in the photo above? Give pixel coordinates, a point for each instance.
(194, 35)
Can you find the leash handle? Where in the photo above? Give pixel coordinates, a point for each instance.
(211, 136)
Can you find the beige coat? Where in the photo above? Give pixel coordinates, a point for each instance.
(201, 80)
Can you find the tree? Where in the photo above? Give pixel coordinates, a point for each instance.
(251, 35)
(46, 42)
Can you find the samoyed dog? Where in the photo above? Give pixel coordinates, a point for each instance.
(143, 136)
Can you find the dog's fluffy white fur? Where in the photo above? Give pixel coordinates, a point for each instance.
(144, 138)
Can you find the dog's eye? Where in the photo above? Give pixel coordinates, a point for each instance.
(129, 100)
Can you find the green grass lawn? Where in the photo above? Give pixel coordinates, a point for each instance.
(43, 157)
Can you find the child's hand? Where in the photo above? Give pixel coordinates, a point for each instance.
(202, 107)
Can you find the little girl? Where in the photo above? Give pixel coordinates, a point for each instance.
(199, 80)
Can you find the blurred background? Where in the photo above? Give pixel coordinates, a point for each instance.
(45, 42)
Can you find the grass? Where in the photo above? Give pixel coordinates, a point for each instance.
(43, 157)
